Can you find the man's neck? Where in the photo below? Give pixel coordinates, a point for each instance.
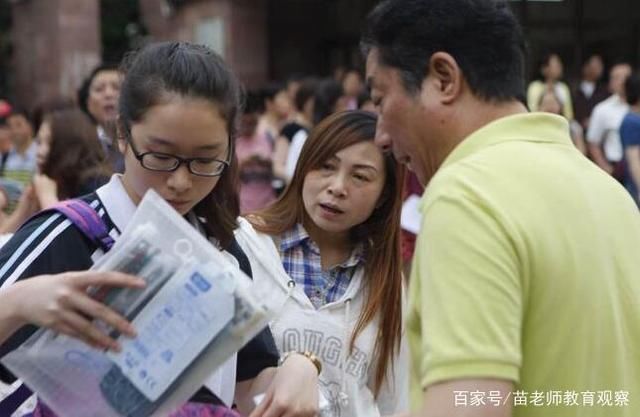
(481, 113)
(474, 115)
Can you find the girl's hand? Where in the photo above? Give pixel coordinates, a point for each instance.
(61, 303)
(46, 190)
(28, 204)
(293, 392)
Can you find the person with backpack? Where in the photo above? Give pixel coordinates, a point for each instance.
(177, 111)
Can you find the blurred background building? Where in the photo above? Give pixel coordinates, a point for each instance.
(47, 47)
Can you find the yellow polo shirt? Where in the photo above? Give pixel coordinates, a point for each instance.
(527, 268)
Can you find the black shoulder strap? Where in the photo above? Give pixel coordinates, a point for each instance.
(237, 252)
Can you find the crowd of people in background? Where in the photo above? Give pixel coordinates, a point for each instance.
(595, 111)
(65, 148)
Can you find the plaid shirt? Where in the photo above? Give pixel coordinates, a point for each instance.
(301, 259)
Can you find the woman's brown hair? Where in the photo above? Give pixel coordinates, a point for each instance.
(380, 233)
(75, 158)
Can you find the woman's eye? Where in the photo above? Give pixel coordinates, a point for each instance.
(360, 177)
(327, 166)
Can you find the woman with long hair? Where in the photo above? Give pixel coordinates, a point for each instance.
(336, 229)
(71, 162)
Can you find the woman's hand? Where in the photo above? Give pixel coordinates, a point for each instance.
(46, 190)
(293, 391)
(60, 302)
(28, 205)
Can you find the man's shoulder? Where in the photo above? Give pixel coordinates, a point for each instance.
(610, 103)
(598, 108)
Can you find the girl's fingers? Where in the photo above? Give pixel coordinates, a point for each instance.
(88, 332)
(97, 310)
(66, 330)
(264, 404)
(107, 278)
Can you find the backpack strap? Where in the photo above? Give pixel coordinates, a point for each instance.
(85, 218)
(13, 401)
(243, 261)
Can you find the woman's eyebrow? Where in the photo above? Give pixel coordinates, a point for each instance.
(365, 166)
(362, 165)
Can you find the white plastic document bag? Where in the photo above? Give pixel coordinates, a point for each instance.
(196, 310)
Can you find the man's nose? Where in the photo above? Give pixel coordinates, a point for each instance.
(382, 139)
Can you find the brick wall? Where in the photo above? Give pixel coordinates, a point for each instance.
(55, 45)
(234, 28)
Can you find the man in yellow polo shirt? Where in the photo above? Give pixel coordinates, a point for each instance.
(525, 290)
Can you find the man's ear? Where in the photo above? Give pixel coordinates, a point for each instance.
(447, 76)
(121, 135)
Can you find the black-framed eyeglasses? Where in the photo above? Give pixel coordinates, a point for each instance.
(159, 161)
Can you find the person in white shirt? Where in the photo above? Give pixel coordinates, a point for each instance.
(603, 137)
(176, 126)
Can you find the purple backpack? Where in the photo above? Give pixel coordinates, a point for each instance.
(89, 222)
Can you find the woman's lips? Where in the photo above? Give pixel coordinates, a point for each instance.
(331, 209)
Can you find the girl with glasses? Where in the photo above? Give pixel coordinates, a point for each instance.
(177, 112)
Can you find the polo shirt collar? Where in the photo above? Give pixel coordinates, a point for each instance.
(524, 127)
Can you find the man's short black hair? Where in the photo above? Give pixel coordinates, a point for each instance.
(483, 37)
(632, 89)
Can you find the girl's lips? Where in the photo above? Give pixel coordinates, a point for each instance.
(178, 205)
